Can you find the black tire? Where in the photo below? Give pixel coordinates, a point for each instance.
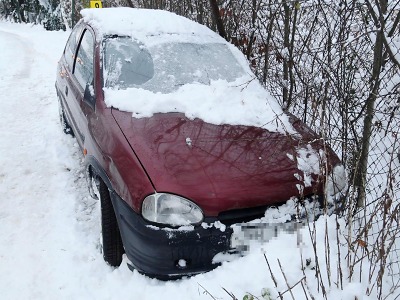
(64, 123)
(112, 242)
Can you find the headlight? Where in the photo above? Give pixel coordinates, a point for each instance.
(336, 182)
(171, 209)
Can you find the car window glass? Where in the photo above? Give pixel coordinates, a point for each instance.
(71, 47)
(167, 66)
(177, 64)
(84, 60)
(127, 63)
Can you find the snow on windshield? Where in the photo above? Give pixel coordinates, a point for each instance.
(165, 67)
(180, 66)
(217, 90)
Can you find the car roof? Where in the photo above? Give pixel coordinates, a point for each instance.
(144, 23)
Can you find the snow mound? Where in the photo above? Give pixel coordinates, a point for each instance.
(236, 103)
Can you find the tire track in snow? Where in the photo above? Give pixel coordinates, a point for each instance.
(42, 189)
(19, 43)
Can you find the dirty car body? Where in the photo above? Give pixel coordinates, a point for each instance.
(177, 183)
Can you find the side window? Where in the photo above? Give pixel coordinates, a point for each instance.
(70, 49)
(84, 60)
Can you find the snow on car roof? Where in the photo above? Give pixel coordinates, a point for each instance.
(143, 22)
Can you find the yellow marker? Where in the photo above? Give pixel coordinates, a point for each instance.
(96, 4)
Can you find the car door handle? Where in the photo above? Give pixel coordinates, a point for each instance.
(66, 91)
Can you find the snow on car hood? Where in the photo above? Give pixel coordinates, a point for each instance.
(243, 102)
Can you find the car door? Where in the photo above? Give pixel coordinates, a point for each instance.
(64, 78)
(81, 81)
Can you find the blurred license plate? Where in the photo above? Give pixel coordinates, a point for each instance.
(250, 233)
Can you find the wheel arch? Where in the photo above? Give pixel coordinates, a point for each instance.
(95, 170)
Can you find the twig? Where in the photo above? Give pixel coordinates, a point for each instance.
(339, 263)
(284, 276)
(290, 288)
(230, 294)
(327, 253)
(304, 290)
(207, 292)
(273, 277)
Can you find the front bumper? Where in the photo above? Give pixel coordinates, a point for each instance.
(167, 253)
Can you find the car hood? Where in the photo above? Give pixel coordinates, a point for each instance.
(224, 167)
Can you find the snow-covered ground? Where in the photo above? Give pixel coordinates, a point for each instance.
(49, 225)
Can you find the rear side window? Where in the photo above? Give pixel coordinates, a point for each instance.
(84, 60)
(70, 48)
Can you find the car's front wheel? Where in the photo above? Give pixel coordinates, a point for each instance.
(112, 242)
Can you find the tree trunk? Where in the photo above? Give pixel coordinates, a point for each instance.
(217, 18)
(285, 58)
(361, 174)
(130, 3)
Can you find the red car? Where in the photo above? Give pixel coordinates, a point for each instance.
(179, 138)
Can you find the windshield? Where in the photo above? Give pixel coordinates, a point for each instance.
(165, 67)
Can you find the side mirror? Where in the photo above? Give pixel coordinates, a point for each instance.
(89, 96)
